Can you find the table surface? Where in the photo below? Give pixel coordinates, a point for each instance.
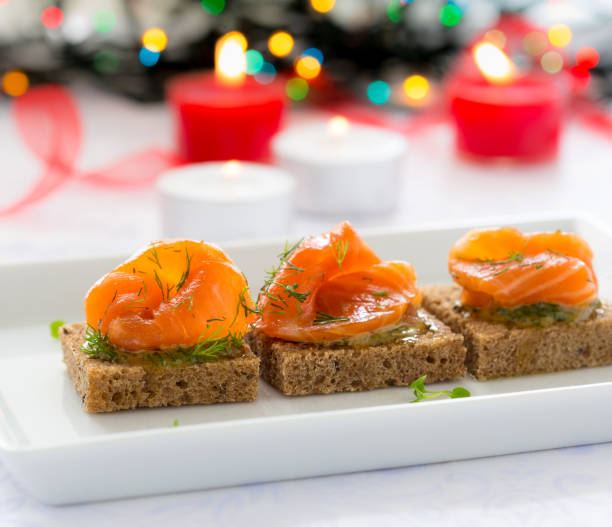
(557, 487)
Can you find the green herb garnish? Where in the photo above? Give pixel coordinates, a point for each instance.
(380, 293)
(54, 328)
(175, 423)
(185, 274)
(324, 318)
(211, 348)
(421, 392)
(154, 257)
(341, 247)
(186, 299)
(98, 346)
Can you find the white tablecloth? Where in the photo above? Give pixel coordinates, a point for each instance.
(560, 487)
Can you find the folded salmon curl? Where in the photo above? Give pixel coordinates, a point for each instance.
(505, 267)
(332, 287)
(171, 294)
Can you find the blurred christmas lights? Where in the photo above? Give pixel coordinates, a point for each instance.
(535, 43)
(266, 74)
(254, 61)
(551, 62)
(587, 57)
(379, 92)
(52, 17)
(313, 52)
(148, 58)
(495, 37)
(280, 44)
(307, 67)
(297, 89)
(106, 62)
(416, 87)
(394, 11)
(322, 6)
(493, 63)
(214, 7)
(15, 83)
(450, 14)
(104, 20)
(560, 35)
(154, 39)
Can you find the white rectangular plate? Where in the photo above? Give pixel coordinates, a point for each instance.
(63, 455)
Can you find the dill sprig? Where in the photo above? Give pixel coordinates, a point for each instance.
(552, 251)
(98, 346)
(292, 292)
(324, 318)
(152, 256)
(283, 261)
(341, 247)
(159, 284)
(185, 274)
(380, 293)
(186, 299)
(210, 348)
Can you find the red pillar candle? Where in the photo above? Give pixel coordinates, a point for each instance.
(225, 115)
(502, 111)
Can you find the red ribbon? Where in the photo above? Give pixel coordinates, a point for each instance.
(49, 122)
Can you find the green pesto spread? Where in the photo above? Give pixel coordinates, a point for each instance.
(541, 314)
(407, 331)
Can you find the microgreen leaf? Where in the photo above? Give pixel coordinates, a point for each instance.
(54, 328)
(421, 392)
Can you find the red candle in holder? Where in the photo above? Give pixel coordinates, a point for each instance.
(224, 115)
(504, 111)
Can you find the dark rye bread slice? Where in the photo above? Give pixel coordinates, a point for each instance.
(302, 369)
(107, 387)
(497, 349)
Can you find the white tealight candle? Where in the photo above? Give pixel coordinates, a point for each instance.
(226, 201)
(341, 167)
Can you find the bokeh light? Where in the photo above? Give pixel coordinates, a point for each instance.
(266, 74)
(15, 83)
(587, 57)
(254, 61)
(214, 7)
(52, 17)
(379, 92)
(493, 62)
(106, 62)
(148, 58)
(450, 15)
(313, 52)
(495, 37)
(338, 126)
(535, 43)
(297, 89)
(322, 6)
(416, 87)
(552, 62)
(394, 11)
(3, 2)
(154, 39)
(560, 35)
(104, 20)
(307, 67)
(280, 44)
(236, 36)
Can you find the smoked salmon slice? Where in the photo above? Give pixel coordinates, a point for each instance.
(505, 267)
(333, 286)
(172, 293)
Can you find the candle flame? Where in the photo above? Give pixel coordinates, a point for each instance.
(231, 169)
(230, 59)
(493, 63)
(338, 126)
